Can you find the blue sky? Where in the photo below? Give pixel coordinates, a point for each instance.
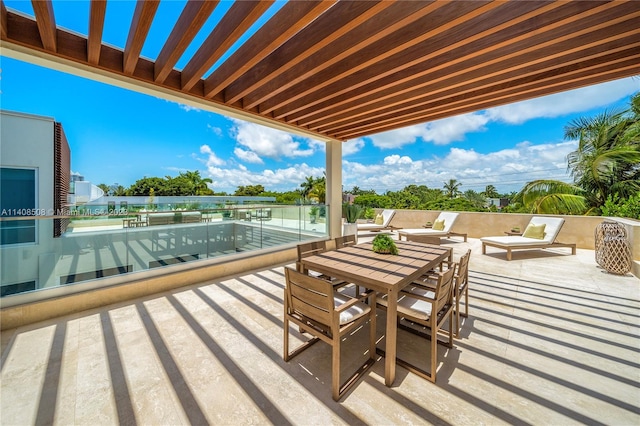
(119, 136)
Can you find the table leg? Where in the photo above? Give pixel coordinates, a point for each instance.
(391, 338)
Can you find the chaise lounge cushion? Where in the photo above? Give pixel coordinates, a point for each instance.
(447, 218)
(387, 215)
(550, 232)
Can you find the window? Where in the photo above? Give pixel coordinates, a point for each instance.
(17, 199)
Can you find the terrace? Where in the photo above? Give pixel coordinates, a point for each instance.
(551, 339)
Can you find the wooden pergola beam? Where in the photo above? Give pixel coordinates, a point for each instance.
(43, 9)
(289, 20)
(193, 17)
(233, 25)
(97, 12)
(141, 23)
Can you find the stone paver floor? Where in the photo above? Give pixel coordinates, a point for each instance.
(551, 339)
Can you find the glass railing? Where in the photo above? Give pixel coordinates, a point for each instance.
(103, 242)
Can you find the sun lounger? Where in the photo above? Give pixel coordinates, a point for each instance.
(552, 226)
(430, 235)
(387, 215)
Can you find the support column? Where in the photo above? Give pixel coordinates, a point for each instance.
(334, 188)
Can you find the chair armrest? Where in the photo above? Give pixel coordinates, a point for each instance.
(417, 296)
(347, 305)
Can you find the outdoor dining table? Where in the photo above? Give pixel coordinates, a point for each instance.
(384, 273)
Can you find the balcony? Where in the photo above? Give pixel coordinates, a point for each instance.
(551, 339)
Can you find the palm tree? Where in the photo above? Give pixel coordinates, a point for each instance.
(452, 188)
(490, 191)
(200, 184)
(319, 190)
(307, 186)
(605, 164)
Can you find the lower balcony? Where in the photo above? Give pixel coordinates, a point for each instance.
(550, 339)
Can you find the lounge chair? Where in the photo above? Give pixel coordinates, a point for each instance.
(552, 226)
(387, 215)
(431, 235)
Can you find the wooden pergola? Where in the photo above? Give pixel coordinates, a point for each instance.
(338, 70)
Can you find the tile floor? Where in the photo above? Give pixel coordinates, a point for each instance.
(551, 339)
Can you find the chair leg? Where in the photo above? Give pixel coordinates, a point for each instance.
(372, 324)
(434, 352)
(451, 330)
(335, 368)
(457, 306)
(286, 339)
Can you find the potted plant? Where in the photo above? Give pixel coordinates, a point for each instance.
(351, 213)
(369, 214)
(383, 243)
(313, 214)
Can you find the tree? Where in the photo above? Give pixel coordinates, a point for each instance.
(200, 184)
(373, 201)
(605, 165)
(307, 186)
(105, 188)
(142, 186)
(477, 199)
(117, 190)
(452, 188)
(249, 190)
(319, 190)
(490, 191)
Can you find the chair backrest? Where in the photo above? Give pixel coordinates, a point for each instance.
(444, 288)
(310, 249)
(552, 226)
(309, 297)
(387, 215)
(345, 240)
(449, 219)
(463, 269)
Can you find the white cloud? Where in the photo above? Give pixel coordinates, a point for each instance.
(573, 101)
(352, 146)
(440, 132)
(247, 156)
(452, 129)
(212, 159)
(506, 169)
(216, 130)
(285, 179)
(267, 142)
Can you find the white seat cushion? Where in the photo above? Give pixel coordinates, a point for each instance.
(411, 306)
(514, 241)
(354, 312)
(423, 231)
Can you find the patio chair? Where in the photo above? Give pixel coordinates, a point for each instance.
(541, 232)
(460, 287)
(385, 224)
(310, 249)
(345, 241)
(427, 235)
(314, 306)
(428, 308)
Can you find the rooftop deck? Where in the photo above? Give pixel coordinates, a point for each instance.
(551, 339)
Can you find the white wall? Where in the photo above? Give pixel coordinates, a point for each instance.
(26, 141)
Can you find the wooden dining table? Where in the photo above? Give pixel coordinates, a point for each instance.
(384, 273)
